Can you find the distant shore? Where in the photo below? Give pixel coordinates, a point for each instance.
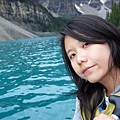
(46, 34)
(10, 31)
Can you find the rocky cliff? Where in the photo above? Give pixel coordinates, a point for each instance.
(42, 15)
(29, 15)
(67, 7)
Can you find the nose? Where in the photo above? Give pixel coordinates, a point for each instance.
(81, 58)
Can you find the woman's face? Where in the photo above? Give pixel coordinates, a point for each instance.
(89, 61)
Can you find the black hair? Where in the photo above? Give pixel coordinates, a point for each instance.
(91, 29)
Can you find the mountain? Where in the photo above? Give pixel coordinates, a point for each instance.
(67, 7)
(43, 15)
(10, 31)
(31, 15)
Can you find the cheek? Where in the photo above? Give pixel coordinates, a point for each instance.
(101, 55)
(73, 66)
(76, 68)
(100, 52)
(103, 62)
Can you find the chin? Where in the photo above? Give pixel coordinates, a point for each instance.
(93, 81)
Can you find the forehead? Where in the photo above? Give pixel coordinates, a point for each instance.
(79, 37)
(68, 41)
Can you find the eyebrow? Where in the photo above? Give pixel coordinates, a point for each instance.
(69, 51)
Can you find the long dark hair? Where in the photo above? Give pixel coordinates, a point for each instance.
(92, 29)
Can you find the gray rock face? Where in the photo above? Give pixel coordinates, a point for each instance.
(67, 7)
(26, 15)
(38, 15)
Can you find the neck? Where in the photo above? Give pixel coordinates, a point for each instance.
(112, 88)
(111, 82)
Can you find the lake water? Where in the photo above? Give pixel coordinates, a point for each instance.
(34, 84)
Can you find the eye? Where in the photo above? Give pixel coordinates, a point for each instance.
(86, 44)
(72, 56)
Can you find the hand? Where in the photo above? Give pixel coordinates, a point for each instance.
(115, 100)
(103, 117)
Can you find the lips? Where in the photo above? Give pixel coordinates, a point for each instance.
(87, 68)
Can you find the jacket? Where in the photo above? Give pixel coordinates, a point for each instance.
(77, 114)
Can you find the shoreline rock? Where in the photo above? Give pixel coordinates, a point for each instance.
(10, 31)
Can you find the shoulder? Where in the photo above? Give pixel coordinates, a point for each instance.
(117, 89)
(77, 114)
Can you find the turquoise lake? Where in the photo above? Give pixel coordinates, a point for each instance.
(34, 84)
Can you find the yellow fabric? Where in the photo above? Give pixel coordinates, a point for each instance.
(108, 111)
(117, 94)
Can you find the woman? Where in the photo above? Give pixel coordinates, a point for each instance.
(91, 52)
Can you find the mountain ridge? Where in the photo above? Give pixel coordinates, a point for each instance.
(38, 16)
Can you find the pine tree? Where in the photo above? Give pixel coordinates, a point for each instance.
(114, 16)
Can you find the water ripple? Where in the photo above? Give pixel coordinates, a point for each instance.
(34, 84)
